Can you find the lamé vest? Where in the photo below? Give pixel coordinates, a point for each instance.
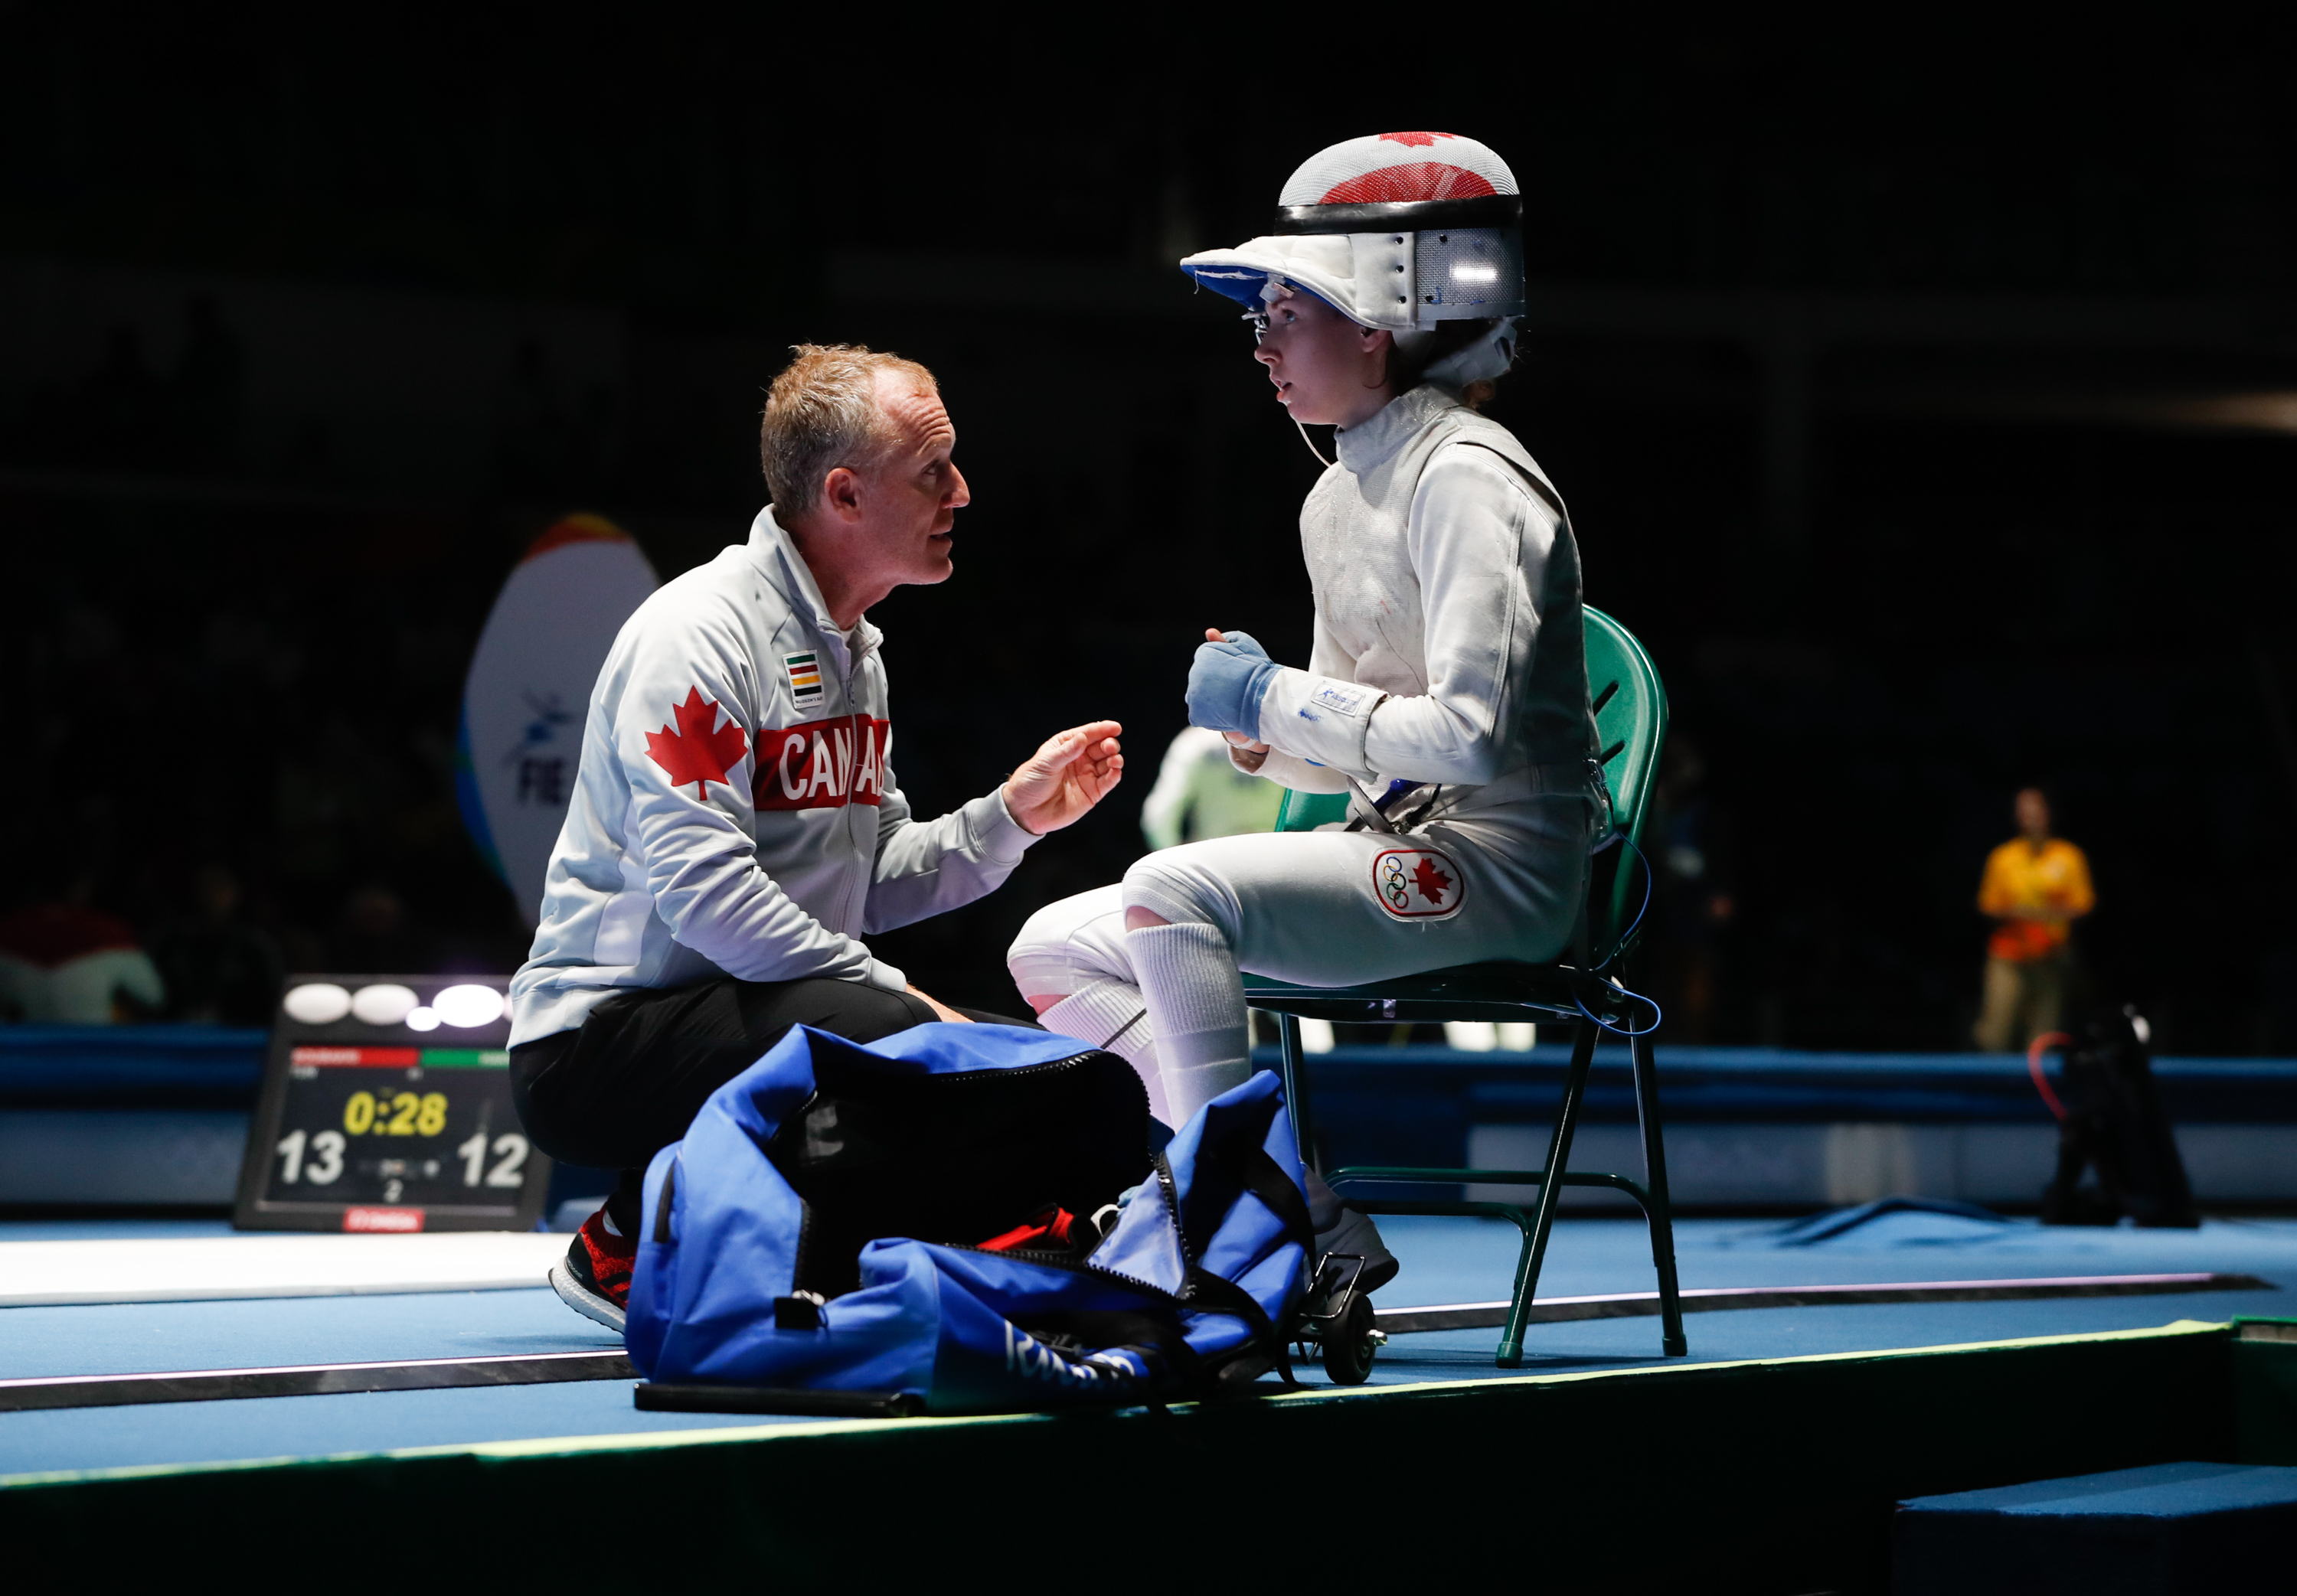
(1449, 644)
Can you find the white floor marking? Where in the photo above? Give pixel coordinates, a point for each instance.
(208, 1268)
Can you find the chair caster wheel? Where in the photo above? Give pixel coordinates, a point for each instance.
(1349, 1345)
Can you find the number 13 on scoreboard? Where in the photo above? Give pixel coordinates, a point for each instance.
(326, 1163)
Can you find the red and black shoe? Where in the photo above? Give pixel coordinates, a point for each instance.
(594, 1277)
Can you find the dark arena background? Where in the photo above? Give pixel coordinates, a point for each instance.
(1925, 410)
(1924, 395)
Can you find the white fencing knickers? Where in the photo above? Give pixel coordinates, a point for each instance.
(1326, 908)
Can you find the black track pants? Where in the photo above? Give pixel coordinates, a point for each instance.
(629, 1081)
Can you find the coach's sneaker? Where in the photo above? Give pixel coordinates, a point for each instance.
(594, 1277)
(1351, 1234)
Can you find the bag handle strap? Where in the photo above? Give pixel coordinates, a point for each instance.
(1254, 1168)
(1265, 1178)
(1210, 1293)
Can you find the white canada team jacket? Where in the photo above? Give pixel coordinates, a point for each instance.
(736, 812)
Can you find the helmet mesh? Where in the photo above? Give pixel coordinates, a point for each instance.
(1466, 273)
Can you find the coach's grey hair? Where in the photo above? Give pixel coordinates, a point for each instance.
(822, 413)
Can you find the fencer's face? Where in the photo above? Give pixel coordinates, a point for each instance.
(1328, 370)
(903, 516)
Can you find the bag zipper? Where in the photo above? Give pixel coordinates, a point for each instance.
(1035, 1069)
(1072, 1265)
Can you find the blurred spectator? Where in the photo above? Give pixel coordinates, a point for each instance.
(64, 963)
(205, 392)
(219, 969)
(2036, 885)
(1200, 794)
(1691, 905)
(375, 937)
(535, 449)
(118, 414)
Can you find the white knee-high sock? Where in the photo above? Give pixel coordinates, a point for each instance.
(1196, 1001)
(1111, 1015)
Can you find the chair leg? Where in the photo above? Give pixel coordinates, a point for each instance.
(1662, 1213)
(1551, 1191)
(1295, 1095)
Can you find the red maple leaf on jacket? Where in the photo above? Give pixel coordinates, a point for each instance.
(700, 751)
(1432, 882)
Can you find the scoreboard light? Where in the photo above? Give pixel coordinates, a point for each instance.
(467, 1007)
(370, 1120)
(384, 1003)
(317, 1002)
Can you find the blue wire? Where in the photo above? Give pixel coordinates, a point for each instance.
(1658, 1013)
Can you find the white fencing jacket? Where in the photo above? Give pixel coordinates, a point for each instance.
(736, 812)
(1449, 645)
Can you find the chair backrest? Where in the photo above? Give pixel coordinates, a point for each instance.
(1630, 729)
(1630, 706)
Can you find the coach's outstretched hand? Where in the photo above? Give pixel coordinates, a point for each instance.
(1072, 772)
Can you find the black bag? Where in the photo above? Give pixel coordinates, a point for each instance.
(2110, 1116)
(957, 1156)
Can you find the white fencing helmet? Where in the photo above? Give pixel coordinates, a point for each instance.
(1397, 231)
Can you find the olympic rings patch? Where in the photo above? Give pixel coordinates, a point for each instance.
(1417, 884)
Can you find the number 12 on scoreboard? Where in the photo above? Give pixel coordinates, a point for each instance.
(510, 1149)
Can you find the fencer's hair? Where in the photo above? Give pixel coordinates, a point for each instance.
(1404, 370)
(821, 412)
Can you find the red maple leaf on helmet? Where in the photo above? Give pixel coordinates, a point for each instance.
(1410, 139)
(1413, 180)
(700, 751)
(1432, 882)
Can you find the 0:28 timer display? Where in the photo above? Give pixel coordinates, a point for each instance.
(420, 1126)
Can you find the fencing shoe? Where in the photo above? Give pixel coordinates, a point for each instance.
(1343, 1230)
(594, 1277)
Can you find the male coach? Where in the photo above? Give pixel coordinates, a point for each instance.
(735, 827)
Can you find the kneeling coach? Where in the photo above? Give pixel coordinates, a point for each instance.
(736, 827)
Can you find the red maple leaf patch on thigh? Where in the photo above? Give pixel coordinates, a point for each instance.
(1432, 882)
(700, 751)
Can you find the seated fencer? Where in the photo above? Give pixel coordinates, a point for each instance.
(737, 829)
(1446, 688)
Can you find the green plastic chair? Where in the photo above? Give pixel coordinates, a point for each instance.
(1631, 718)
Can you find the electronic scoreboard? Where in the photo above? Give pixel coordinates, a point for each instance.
(386, 1106)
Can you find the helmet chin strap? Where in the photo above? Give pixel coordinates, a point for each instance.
(1310, 441)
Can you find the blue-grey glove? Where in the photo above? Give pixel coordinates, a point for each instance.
(1227, 683)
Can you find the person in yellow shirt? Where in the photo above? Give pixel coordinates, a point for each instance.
(2035, 887)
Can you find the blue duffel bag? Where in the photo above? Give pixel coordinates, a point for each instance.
(920, 1220)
